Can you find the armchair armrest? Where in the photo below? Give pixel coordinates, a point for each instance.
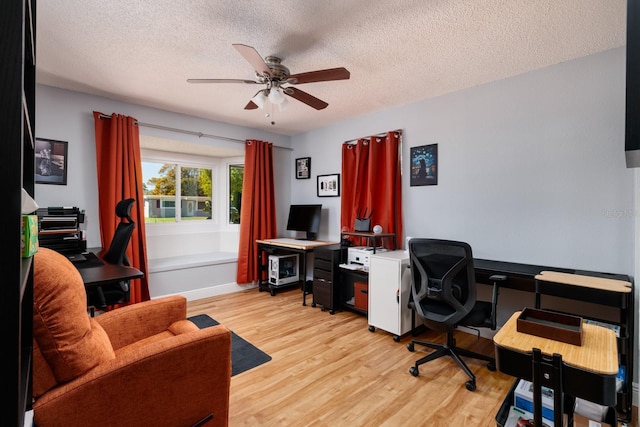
(181, 379)
(134, 322)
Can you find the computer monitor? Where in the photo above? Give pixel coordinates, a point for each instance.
(305, 218)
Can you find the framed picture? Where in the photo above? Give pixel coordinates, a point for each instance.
(51, 161)
(303, 168)
(424, 165)
(329, 185)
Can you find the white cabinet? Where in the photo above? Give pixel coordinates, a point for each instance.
(389, 290)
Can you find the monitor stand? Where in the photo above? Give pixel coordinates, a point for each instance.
(310, 236)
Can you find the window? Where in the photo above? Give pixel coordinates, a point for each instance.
(170, 200)
(236, 175)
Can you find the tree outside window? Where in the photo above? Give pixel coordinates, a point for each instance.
(236, 175)
(164, 194)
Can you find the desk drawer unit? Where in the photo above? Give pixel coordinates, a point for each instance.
(325, 277)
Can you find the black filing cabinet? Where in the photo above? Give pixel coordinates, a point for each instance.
(326, 275)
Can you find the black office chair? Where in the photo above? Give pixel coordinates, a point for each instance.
(104, 296)
(443, 294)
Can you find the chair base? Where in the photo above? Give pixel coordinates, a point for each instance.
(450, 349)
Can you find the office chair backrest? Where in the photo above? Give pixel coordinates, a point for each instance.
(117, 253)
(443, 288)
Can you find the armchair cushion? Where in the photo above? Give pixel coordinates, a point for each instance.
(142, 364)
(71, 342)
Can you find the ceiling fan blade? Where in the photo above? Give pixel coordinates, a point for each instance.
(251, 106)
(320, 76)
(254, 58)
(251, 82)
(301, 96)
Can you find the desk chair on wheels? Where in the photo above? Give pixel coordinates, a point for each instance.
(443, 294)
(105, 296)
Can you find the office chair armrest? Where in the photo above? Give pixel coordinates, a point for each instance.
(134, 322)
(131, 390)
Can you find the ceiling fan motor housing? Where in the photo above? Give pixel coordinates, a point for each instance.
(278, 71)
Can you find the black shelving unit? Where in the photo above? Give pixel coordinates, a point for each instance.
(17, 127)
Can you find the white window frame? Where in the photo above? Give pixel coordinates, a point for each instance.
(230, 161)
(188, 160)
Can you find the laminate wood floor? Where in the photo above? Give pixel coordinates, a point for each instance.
(330, 370)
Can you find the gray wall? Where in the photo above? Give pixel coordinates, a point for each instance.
(531, 168)
(68, 116)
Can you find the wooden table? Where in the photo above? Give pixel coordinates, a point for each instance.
(587, 371)
(287, 246)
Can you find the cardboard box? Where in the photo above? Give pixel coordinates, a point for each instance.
(361, 295)
(523, 398)
(29, 241)
(581, 421)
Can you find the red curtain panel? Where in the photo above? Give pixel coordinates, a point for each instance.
(371, 180)
(119, 168)
(258, 212)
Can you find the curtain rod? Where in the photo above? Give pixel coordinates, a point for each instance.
(378, 134)
(190, 132)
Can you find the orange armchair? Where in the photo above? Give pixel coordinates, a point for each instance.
(143, 364)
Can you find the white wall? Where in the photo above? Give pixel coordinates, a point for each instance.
(68, 116)
(531, 168)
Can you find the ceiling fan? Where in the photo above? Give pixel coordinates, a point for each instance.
(271, 72)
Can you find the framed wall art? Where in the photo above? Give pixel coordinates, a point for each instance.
(303, 168)
(51, 161)
(329, 185)
(424, 165)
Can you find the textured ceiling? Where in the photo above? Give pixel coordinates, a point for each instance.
(398, 52)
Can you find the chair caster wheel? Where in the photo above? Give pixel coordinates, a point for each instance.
(471, 385)
(313, 304)
(410, 347)
(491, 366)
(414, 371)
(372, 328)
(332, 312)
(396, 338)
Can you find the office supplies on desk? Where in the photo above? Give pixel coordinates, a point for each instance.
(75, 258)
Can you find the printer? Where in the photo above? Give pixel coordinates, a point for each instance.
(359, 255)
(59, 229)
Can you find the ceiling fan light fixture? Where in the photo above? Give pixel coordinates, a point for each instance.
(284, 105)
(276, 96)
(260, 99)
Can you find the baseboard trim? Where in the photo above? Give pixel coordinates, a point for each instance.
(212, 291)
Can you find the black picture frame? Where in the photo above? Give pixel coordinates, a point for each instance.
(329, 185)
(303, 168)
(424, 165)
(51, 161)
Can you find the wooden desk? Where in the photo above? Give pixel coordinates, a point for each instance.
(107, 274)
(95, 272)
(587, 371)
(612, 290)
(287, 246)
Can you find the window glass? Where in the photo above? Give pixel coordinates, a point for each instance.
(163, 193)
(195, 193)
(236, 175)
(159, 186)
